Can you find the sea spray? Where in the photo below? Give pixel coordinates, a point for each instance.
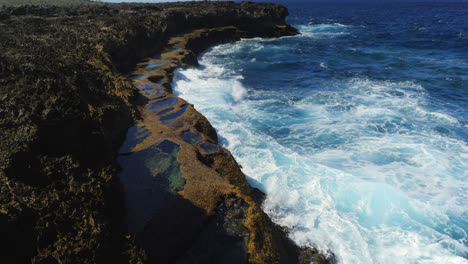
(238, 92)
(355, 154)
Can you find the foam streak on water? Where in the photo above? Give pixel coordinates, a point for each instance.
(375, 169)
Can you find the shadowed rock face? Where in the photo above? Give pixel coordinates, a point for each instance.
(65, 107)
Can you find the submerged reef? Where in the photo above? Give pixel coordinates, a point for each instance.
(100, 163)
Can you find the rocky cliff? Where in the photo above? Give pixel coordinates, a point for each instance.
(66, 103)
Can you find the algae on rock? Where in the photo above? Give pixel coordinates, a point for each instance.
(65, 107)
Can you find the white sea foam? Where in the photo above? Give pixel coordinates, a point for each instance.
(238, 91)
(323, 30)
(361, 173)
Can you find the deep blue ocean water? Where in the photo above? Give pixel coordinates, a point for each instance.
(357, 129)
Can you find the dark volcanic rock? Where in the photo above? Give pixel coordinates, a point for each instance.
(65, 107)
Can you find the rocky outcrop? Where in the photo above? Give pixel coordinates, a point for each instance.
(65, 107)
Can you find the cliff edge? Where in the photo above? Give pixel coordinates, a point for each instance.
(66, 106)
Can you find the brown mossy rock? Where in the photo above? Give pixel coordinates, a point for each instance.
(224, 238)
(309, 255)
(65, 107)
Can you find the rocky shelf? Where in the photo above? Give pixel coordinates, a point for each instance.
(101, 163)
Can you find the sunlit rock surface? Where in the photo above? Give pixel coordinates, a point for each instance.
(76, 186)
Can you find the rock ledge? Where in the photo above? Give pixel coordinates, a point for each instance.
(65, 107)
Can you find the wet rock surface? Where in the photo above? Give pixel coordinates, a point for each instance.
(66, 103)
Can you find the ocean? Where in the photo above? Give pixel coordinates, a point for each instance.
(357, 129)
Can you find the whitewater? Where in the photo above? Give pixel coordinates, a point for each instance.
(358, 138)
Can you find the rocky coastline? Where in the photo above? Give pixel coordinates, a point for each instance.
(88, 119)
